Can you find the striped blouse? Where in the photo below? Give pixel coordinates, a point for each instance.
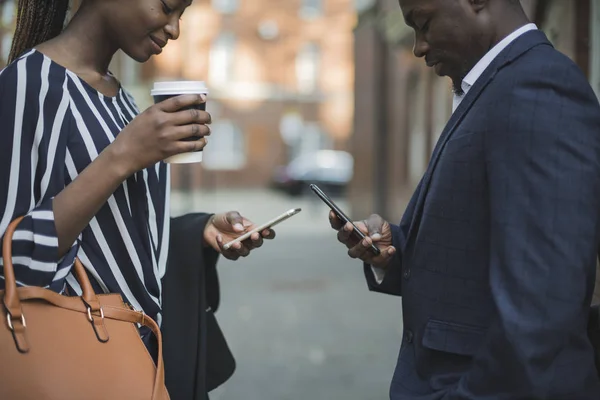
(52, 126)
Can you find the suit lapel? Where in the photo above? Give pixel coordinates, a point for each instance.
(513, 51)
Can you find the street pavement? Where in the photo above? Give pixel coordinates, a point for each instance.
(297, 313)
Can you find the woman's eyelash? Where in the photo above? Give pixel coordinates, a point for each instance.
(166, 8)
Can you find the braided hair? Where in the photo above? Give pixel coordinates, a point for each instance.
(37, 22)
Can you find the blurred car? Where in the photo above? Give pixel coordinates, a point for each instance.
(330, 169)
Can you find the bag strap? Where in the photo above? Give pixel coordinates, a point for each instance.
(11, 299)
(138, 317)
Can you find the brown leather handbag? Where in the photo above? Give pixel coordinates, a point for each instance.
(55, 347)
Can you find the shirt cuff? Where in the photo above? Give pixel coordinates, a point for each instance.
(379, 274)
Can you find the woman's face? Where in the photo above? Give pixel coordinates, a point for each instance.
(141, 28)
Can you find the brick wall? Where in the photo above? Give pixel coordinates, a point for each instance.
(263, 86)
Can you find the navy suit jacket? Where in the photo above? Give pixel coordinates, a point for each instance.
(497, 248)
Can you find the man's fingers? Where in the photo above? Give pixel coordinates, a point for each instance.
(362, 250)
(343, 239)
(344, 235)
(362, 226)
(384, 258)
(334, 221)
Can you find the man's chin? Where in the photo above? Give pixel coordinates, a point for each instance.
(457, 88)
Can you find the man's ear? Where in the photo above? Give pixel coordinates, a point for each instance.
(478, 5)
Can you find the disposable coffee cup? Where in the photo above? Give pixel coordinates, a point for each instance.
(165, 90)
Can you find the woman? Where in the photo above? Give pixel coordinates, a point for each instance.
(80, 163)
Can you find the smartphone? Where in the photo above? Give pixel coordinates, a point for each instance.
(340, 214)
(268, 225)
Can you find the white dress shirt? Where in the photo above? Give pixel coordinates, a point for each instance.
(468, 81)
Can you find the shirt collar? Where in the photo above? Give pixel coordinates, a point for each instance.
(490, 56)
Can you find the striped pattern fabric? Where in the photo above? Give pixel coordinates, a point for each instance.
(53, 125)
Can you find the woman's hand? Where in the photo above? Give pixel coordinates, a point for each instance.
(223, 228)
(158, 133)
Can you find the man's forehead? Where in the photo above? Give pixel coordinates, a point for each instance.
(412, 7)
(408, 6)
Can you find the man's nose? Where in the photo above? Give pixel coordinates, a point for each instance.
(421, 47)
(172, 29)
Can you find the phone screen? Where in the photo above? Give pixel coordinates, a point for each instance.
(341, 215)
(268, 225)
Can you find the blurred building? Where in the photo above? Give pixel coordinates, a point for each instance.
(402, 106)
(280, 75)
(281, 78)
(7, 21)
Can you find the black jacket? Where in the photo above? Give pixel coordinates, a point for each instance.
(196, 356)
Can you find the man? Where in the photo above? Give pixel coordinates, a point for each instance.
(495, 255)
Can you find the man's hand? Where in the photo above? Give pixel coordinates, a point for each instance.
(223, 228)
(376, 229)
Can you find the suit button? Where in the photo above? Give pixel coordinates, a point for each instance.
(408, 335)
(406, 273)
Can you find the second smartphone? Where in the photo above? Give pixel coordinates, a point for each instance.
(342, 216)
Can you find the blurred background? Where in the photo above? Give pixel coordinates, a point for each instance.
(301, 91)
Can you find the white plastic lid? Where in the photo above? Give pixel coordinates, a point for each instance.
(179, 87)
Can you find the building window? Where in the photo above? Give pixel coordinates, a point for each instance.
(221, 59)
(310, 9)
(225, 6)
(307, 68)
(226, 149)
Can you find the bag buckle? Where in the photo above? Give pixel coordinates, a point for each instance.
(18, 335)
(89, 314)
(99, 326)
(9, 319)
